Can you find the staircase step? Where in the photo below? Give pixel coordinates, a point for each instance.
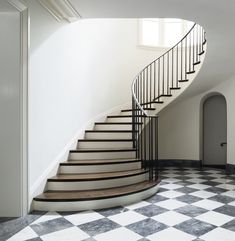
(191, 72)
(114, 125)
(175, 88)
(152, 102)
(97, 180)
(196, 63)
(103, 143)
(128, 110)
(91, 166)
(183, 80)
(95, 199)
(108, 134)
(100, 153)
(201, 53)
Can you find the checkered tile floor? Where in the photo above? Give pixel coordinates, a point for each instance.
(191, 205)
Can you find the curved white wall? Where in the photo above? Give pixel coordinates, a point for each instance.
(76, 72)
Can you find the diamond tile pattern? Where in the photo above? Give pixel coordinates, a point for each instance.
(191, 205)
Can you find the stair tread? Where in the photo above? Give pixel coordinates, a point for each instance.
(116, 123)
(112, 149)
(99, 161)
(108, 131)
(95, 176)
(126, 110)
(95, 194)
(105, 140)
(123, 116)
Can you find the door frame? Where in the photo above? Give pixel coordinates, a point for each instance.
(24, 60)
(204, 98)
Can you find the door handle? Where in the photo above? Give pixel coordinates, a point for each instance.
(223, 143)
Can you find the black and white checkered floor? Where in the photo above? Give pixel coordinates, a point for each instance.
(191, 205)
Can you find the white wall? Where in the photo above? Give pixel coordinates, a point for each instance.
(10, 153)
(77, 71)
(184, 142)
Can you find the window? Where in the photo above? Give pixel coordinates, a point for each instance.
(156, 32)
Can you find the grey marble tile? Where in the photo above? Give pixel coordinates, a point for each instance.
(143, 239)
(35, 239)
(89, 239)
(99, 226)
(230, 225)
(188, 199)
(186, 190)
(8, 229)
(222, 199)
(195, 227)
(217, 190)
(146, 227)
(191, 211)
(211, 183)
(151, 210)
(67, 213)
(3, 219)
(111, 211)
(184, 183)
(156, 198)
(207, 178)
(226, 209)
(51, 226)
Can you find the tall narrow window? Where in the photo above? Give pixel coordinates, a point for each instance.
(166, 32)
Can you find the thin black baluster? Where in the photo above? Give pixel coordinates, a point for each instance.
(177, 65)
(193, 49)
(163, 73)
(172, 74)
(181, 65)
(168, 77)
(154, 81)
(158, 78)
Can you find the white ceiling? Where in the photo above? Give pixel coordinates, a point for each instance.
(6, 7)
(216, 16)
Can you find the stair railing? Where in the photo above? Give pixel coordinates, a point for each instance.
(156, 81)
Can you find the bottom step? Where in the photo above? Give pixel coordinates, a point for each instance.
(94, 199)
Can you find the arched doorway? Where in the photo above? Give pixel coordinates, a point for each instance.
(215, 131)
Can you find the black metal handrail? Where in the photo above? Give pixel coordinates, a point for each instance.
(157, 80)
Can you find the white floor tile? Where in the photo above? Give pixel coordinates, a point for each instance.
(219, 234)
(171, 194)
(199, 186)
(137, 205)
(69, 234)
(83, 217)
(226, 186)
(24, 234)
(118, 234)
(196, 180)
(171, 204)
(171, 186)
(214, 218)
(126, 218)
(203, 194)
(230, 194)
(232, 203)
(171, 180)
(48, 216)
(171, 234)
(171, 218)
(208, 204)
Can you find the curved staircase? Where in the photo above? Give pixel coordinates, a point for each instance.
(117, 162)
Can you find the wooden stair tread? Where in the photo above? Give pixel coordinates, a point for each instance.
(116, 123)
(105, 140)
(123, 116)
(96, 176)
(112, 149)
(127, 110)
(99, 161)
(109, 130)
(57, 196)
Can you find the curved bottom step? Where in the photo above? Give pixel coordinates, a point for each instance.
(97, 199)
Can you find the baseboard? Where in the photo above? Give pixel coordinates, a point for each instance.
(179, 163)
(40, 185)
(230, 169)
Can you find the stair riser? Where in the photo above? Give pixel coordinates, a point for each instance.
(113, 127)
(94, 204)
(101, 155)
(108, 135)
(92, 185)
(100, 168)
(120, 119)
(108, 144)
